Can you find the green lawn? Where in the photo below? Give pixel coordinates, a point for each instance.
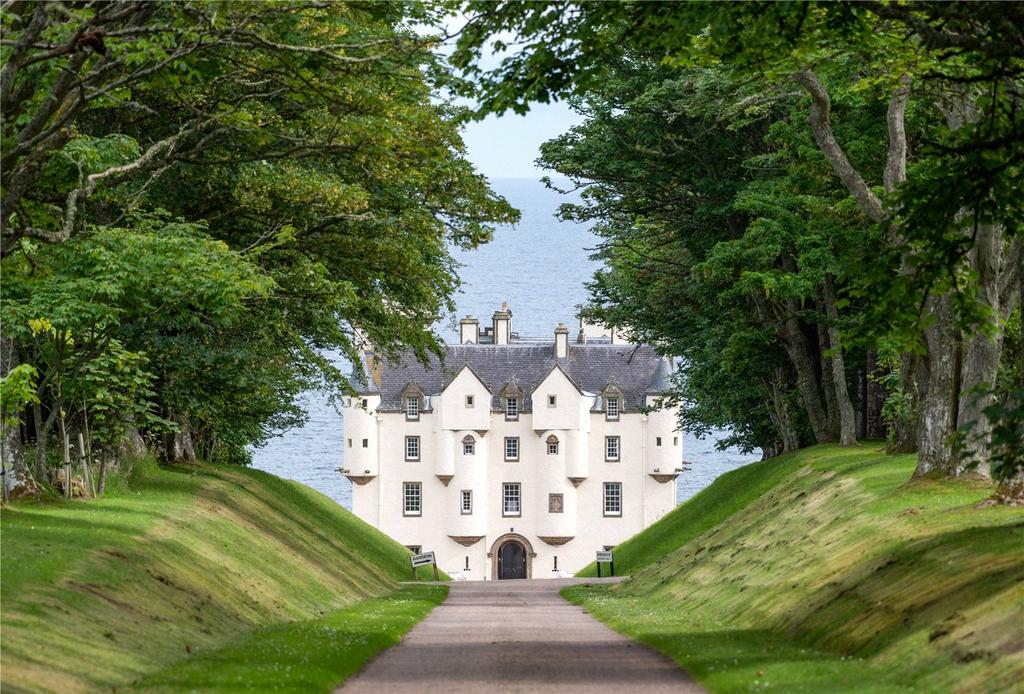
(308, 656)
(829, 572)
(178, 562)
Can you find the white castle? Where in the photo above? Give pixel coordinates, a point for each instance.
(516, 458)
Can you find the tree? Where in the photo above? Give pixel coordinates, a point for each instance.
(963, 61)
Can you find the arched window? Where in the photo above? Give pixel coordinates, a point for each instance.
(552, 442)
(468, 445)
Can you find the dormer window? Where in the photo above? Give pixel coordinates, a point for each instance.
(552, 442)
(510, 399)
(612, 401)
(412, 401)
(612, 408)
(412, 407)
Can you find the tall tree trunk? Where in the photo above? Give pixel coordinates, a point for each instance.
(780, 413)
(938, 408)
(17, 480)
(42, 434)
(828, 386)
(874, 398)
(847, 419)
(799, 350)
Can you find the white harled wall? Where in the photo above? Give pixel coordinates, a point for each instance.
(581, 434)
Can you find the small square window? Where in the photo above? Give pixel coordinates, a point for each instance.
(466, 503)
(366, 443)
(552, 447)
(412, 447)
(657, 441)
(468, 448)
(611, 447)
(510, 499)
(511, 448)
(552, 400)
(412, 496)
(613, 498)
(511, 408)
(469, 401)
(415, 549)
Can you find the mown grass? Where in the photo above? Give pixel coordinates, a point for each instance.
(838, 575)
(97, 594)
(307, 656)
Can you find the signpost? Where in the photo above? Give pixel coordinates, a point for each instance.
(605, 557)
(425, 559)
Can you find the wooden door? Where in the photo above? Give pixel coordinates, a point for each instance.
(511, 561)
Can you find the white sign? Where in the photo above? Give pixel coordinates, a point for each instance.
(604, 556)
(424, 559)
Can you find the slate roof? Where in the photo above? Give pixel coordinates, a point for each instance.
(637, 370)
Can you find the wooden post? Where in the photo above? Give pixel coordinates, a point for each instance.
(67, 456)
(612, 562)
(436, 577)
(599, 569)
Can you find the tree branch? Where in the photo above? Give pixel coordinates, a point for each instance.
(821, 127)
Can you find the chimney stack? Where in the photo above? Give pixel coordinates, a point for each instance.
(469, 331)
(561, 341)
(502, 322)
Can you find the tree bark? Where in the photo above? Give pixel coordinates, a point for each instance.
(780, 414)
(874, 427)
(798, 348)
(17, 480)
(828, 386)
(847, 418)
(937, 421)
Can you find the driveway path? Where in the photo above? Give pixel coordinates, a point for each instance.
(516, 636)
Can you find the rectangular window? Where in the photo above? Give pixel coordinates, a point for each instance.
(415, 549)
(657, 441)
(412, 496)
(350, 443)
(510, 499)
(611, 447)
(366, 403)
(511, 408)
(412, 408)
(556, 563)
(467, 563)
(412, 447)
(467, 502)
(552, 399)
(469, 401)
(675, 440)
(468, 448)
(612, 408)
(366, 443)
(613, 498)
(511, 448)
(552, 448)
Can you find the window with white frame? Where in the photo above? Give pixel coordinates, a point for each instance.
(611, 408)
(510, 499)
(613, 498)
(366, 403)
(412, 498)
(412, 447)
(511, 448)
(552, 445)
(611, 447)
(552, 400)
(467, 502)
(468, 446)
(469, 401)
(511, 408)
(412, 407)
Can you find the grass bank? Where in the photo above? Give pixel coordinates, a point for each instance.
(826, 571)
(178, 567)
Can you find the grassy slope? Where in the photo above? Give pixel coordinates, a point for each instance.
(830, 573)
(181, 563)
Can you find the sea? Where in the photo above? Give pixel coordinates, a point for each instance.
(539, 267)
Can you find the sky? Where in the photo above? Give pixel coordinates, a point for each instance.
(506, 146)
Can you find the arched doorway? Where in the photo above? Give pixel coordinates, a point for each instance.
(511, 556)
(511, 560)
